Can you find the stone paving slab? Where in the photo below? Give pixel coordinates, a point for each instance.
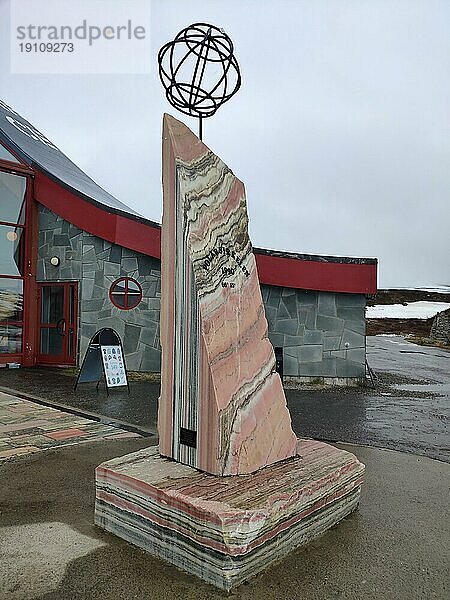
(26, 427)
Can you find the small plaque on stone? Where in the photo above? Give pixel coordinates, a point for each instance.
(188, 437)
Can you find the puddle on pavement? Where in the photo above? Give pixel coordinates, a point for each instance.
(442, 389)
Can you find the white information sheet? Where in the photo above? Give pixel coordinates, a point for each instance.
(114, 366)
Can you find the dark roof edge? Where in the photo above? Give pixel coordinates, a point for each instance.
(35, 165)
(317, 257)
(105, 207)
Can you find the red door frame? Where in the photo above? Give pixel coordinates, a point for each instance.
(30, 290)
(27, 355)
(68, 355)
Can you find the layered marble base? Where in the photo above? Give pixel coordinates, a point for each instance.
(226, 529)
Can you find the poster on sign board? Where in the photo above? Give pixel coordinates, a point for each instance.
(104, 357)
(114, 366)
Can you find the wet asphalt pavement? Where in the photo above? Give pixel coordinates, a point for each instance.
(409, 410)
(394, 547)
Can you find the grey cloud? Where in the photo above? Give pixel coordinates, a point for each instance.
(340, 130)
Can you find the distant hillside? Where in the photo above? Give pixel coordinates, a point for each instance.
(417, 327)
(395, 296)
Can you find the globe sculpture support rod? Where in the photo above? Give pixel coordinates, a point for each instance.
(199, 71)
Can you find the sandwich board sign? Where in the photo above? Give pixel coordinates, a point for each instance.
(114, 366)
(104, 356)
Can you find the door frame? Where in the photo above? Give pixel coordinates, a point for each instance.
(66, 358)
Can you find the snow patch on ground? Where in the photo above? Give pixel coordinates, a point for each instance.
(441, 289)
(413, 310)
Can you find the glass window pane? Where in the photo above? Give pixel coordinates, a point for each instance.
(71, 304)
(119, 300)
(11, 299)
(133, 286)
(11, 250)
(70, 343)
(51, 341)
(6, 155)
(10, 339)
(19, 249)
(12, 196)
(52, 303)
(119, 286)
(133, 301)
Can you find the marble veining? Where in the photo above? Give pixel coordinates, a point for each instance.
(226, 529)
(218, 365)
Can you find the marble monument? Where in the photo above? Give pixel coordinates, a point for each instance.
(221, 399)
(230, 490)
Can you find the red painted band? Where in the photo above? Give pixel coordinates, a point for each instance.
(146, 239)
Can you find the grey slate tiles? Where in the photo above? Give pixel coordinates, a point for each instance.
(322, 333)
(96, 264)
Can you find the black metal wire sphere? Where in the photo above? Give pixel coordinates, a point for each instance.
(199, 70)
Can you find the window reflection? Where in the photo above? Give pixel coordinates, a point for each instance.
(10, 339)
(12, 197)
(12, 257)
(51, 341)
(11, 299)
(11, 250)
(133, 287)
(19, 249)
(6, 155)
(52, 304)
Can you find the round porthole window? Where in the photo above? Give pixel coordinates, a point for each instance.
(125, 293)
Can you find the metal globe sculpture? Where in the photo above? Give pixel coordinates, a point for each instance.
(199, 70)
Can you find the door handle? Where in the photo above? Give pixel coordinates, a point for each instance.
(61, 327)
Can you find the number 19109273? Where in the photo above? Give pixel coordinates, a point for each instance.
(46, 47)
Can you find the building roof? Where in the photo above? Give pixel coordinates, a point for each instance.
(39, 152)
(64, 188)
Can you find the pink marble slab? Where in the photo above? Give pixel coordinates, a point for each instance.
(226, 529)
(222, 407)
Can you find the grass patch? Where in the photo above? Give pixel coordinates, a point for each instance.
(426, 341)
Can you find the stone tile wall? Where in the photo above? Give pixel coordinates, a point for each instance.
(96, 264)
(322, 333)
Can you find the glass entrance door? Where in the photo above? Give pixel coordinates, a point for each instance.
(58, 318)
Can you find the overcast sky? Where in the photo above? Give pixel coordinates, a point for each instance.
(340, 131)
